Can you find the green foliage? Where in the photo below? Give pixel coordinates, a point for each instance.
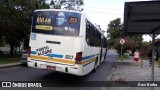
(124, 57)
(6, 59)
(2, 41)
(67, 4)
(15, 19)
(130, 44)
(132, 41)
(145, 44)
(114, 31)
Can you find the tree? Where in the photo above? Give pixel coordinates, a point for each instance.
(76, 5)
(15, 19)
(130, 44)
(114, 31)
(2, 41)
(139, 39)
(114, 34)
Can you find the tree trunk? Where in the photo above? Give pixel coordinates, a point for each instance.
(15, 50)
(11, 49)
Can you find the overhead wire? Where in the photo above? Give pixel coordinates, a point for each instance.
(105, 8)
(94, 11)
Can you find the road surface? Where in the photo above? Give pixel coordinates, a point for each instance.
(23, 73)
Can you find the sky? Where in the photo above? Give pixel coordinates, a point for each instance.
(104, 11)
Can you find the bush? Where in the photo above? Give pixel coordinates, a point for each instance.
(1, 52)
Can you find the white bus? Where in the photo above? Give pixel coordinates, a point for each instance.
(65, 41)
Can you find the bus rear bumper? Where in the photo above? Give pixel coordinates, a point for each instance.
(65, 68)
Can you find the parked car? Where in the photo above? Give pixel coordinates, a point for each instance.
(24, 56)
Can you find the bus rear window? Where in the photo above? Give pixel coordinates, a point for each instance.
(56, 23)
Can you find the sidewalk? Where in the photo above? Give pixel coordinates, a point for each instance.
(10, 65)
(128, 71)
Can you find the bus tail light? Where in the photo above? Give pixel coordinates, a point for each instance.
(29, 51)
(78, 57)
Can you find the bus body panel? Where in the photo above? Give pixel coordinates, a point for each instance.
(65, 43)
(62, 55)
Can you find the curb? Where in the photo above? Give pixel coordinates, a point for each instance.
(9, 65)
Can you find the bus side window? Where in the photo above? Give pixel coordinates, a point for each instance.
(92, 31)
(87, 27)
(89, 34)
(88, 39)
(104, 42)
(99, 39)
(99, 35)
(95, 37)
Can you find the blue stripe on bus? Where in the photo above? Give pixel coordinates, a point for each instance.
(33, 52)
(55, 55)
(61, 56)
(88, 57)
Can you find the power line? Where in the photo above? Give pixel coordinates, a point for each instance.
(105, 8)
(103, 12)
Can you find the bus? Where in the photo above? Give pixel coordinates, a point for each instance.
(65, 41)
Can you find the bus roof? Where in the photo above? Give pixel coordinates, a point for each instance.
(57, 10)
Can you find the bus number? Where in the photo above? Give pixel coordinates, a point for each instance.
(69, 57)
(73, 20)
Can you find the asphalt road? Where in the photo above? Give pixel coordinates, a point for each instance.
(23, 73)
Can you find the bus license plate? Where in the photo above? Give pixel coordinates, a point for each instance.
(51, 67)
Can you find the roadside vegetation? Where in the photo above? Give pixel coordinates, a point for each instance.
(7, 58)
(114, 34)
(124, 57)
(132, 41)
(15, 23)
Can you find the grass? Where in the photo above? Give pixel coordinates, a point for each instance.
(6, 58)
(124, 57)
(144, 58)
